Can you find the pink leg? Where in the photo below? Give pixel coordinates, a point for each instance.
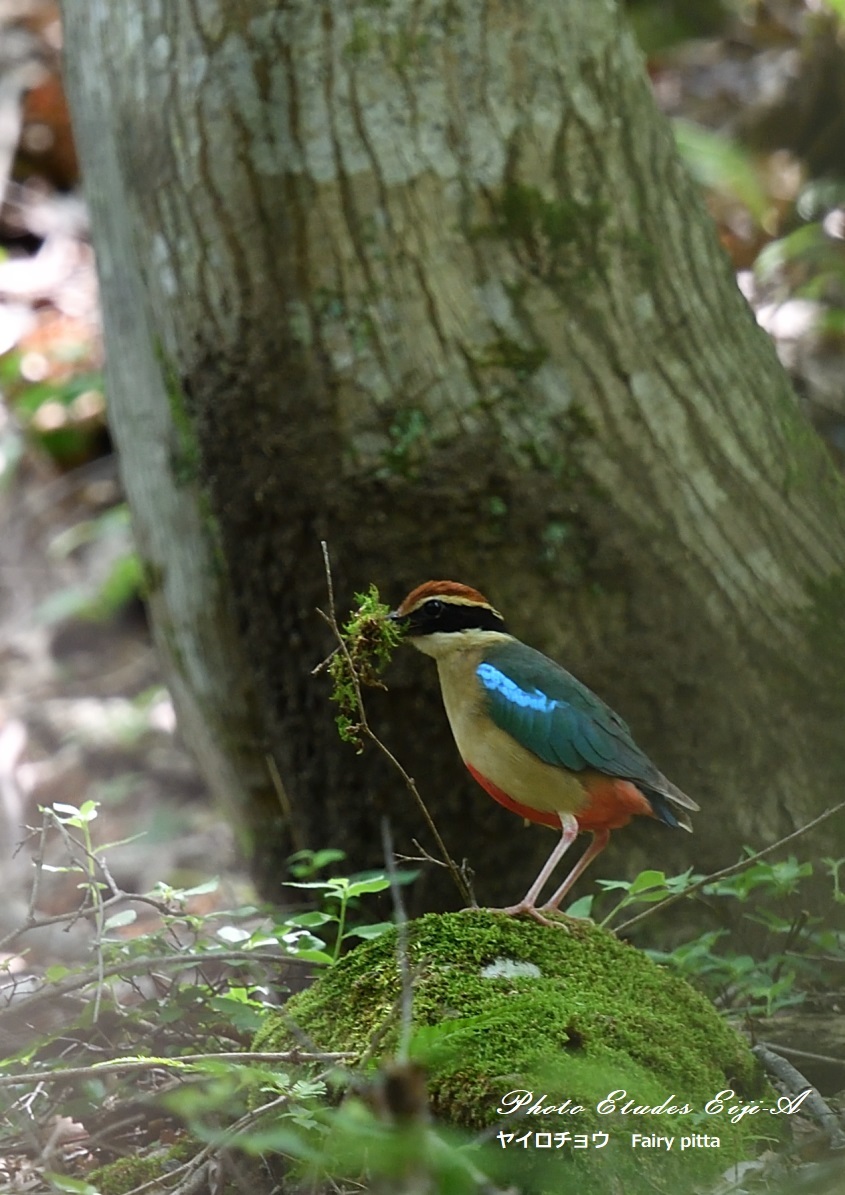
(528, 904)
(600, 841)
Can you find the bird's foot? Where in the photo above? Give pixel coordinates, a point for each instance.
(526, 910)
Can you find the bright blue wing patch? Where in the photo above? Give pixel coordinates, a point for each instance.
(563, 723)
(495, 681)
(545, 725)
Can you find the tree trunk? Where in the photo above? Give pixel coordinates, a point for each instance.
(428, 280)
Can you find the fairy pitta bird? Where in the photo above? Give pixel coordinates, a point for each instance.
(536, 739)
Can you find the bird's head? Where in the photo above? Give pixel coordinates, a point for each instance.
(442, 616)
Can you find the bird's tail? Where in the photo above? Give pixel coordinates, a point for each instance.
(670, 805)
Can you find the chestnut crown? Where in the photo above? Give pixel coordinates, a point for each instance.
(446, 607)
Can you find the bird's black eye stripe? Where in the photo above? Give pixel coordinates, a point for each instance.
(435, 615)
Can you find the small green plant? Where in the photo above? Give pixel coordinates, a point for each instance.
(834, 867)
(190, 994)
(775, 973)
(212, 975)
(339, 898)
(406, 444)
(337, 893)
(647, 888)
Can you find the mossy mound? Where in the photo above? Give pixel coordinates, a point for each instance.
(503, 1005)
(124, 1174)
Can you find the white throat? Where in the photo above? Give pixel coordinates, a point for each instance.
(442, 644)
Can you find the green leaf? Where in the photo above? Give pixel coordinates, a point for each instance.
(299, 940)
(69, 810)
(400, 875)
(199, 889)
(314, 956)
(680, 883)
(124, 917)
(246, 1017)
(721, 164)
(124, 582)
(307, 861)
(233, 934)
(64, 603)
(838, 7)
(279, 1139)
(582, 907)
(368, 932)
(308, 920)
(647, 880)
(361, 887)
(808, 243)
(64, 1182)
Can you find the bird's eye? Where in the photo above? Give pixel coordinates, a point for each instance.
(435, 607)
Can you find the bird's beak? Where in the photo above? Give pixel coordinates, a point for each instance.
(401, 621)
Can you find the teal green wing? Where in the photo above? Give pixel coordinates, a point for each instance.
(561, 721)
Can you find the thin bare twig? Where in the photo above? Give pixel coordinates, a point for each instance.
(427, 857)
(38, 861)
(796, 1083)
(122, 1066)
(727, 871)
(366, 730)
(84, 914)
(187, 1169)
(796, 1053)
(142, 966)
(89, 866)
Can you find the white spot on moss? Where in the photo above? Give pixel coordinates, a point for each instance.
(508, 968)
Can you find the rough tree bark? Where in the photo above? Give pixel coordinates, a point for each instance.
(429, 280)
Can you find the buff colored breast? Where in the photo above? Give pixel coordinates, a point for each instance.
(496, 755)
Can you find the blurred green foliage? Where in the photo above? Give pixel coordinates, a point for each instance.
(661, 23)
(96, 600)
(64, 418)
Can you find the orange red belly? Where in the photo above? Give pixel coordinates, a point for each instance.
(608, 803)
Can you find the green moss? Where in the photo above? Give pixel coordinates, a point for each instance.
(504, 353)
(540, 228)
(589, 1015)
(185, 457)
(642, 251)
(821, 689)
(825, 624)
(523, 213)
(152, 575)
(406, 47)
(184, 452)
(408, 439)
(125, 1174)
(361, 39)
